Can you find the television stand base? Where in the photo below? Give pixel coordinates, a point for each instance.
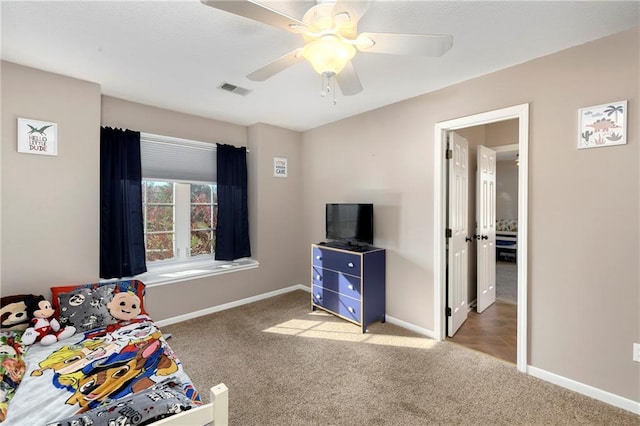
(342, 245)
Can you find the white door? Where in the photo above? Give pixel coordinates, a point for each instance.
(486, 227)
(458, 262)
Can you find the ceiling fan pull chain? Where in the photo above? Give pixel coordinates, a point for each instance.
(333, 83)
(323, 87)
(328, 85)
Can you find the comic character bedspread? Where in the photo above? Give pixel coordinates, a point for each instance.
(83, 377)
(11, 367)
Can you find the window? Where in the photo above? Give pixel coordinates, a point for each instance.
(179, 198)
(179, 220)
(159, 225)
(180, 211)
(204, 217)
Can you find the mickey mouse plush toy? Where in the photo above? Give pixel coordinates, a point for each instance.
(44, 328)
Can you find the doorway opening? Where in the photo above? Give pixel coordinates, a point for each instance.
(490, 319)
(521, 113)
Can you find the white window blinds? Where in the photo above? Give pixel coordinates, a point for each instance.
(168, 158)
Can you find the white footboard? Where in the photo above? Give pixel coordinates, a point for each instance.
(215, 413)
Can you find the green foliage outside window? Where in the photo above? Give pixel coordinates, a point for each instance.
(204, 214)
(158, 220)
(159, 199)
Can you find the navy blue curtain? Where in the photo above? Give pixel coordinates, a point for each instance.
(122, 251)
(232, 231)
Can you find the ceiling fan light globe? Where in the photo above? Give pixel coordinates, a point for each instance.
(328, 54)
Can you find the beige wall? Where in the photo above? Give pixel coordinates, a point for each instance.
(584, 299)
(119, 113)
(380, 157)
(502, 133)
(280, 246)
(498, 134)
(49, 203)
(267, 195)
(506, 190)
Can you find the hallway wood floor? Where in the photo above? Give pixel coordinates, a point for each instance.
(493, 332)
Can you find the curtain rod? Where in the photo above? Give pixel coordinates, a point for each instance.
(170, 140)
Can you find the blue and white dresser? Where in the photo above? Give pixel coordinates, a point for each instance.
(348, 283)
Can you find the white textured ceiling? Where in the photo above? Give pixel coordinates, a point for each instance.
(174, 54)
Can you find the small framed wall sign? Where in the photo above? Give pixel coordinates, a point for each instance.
(37, 137)
(280, 167)
(602, 125)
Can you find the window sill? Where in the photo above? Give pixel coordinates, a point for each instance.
(170, 274)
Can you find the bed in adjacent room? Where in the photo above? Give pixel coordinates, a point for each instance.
(507, 239)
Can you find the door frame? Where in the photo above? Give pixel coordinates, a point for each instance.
(521, 112)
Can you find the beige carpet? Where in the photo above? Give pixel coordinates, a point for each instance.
(287, 365)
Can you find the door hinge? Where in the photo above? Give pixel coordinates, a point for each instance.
(448, 233)
(449, 154)
(448, 311)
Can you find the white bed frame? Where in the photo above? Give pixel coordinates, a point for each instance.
(216, 412)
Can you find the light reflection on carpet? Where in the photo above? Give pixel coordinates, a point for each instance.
(345, 331)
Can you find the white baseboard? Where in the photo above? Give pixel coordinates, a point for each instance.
(225, 306)
(406, 325)
(599, 394)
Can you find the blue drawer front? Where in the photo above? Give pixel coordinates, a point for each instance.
(348, 285)
(341, 305)
(341, 261)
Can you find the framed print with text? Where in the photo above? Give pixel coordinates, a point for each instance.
(37, 137)
(280, 167)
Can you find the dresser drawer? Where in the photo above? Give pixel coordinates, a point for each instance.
(348, 285)
(341, 261)
(337, 303)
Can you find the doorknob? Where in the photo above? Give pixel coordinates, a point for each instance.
(484, 237)
(469, 239)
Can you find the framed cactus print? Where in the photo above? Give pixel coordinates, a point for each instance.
(602, 125)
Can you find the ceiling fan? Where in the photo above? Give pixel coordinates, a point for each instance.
(329, 30)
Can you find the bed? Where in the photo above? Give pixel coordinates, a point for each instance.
(111, 371)
(507, 239)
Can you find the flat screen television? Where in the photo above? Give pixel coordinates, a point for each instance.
(349, 223)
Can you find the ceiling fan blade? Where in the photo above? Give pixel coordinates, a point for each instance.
(252, 10)
(350, 11)
(276, 66)
(405, 44)
(348, 80)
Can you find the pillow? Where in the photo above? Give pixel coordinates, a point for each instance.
(157, 402)
(510, 225)
(85, 306)
(14, 312)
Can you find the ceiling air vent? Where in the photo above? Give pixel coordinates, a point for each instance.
(234, 89)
